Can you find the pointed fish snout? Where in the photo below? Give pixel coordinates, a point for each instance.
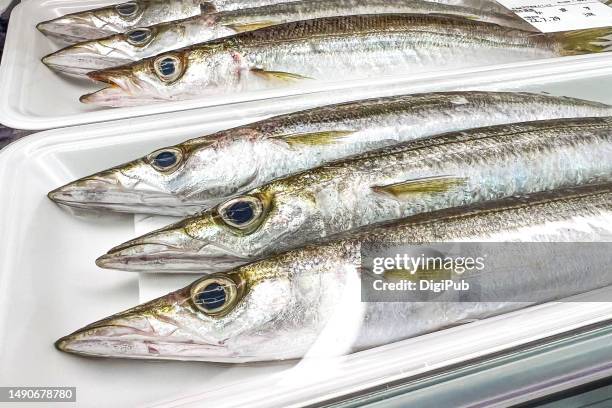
(172, 250)
(123, 88)
(133, 258)
(111, 76)
(150, 330)
(158, 251)
(116, 191)
(87, 190)
(105, 337)
(77, 27)
(81, 59)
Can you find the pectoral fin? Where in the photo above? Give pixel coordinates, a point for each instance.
(278, 75)
(256, 25)
(429, 185)
(315, 138)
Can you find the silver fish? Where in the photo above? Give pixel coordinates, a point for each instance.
(307, 302)
(144, 42)
(346, 47)
(200, 173)
(119, 18)
(443, 171)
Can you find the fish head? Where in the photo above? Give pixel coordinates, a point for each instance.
(151, 182)
(243, 228)
(177, 180)
(176, 75)
(120, 49)
(262, 311)
(93, 55)
(97, 23)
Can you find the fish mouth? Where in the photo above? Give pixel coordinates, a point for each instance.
(81, 59)
(111, 97)
(75, 28)
(90, 345)
(171, 249)
(156, 257)
(108, 192)
(149, 331)
(114, 76)
(123, 89)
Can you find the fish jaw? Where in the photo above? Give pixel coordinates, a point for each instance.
(200, 72)
(160, 329)
(112, 190)
(74, 28)
(125, 87)
(170, 249)
(207, 243)
(174, 327)
(80, 59)
(115, 97)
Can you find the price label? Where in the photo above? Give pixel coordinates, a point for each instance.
(550, 16)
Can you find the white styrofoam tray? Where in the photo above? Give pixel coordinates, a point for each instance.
(50, 286)
(34, 97)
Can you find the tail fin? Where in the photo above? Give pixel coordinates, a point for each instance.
(586, 41)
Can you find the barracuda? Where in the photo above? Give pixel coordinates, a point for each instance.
(307, 302)
(347, 47)
(200, 173)
(119, 18)
(144, 42)
(443, 171)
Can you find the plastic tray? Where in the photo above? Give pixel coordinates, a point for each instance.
(34, 97)
(49, 284)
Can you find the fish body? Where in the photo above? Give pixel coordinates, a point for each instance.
(204, 172)
(307, 302)
(443, 171)
(119, 18)
(144, 42)
(347, 47)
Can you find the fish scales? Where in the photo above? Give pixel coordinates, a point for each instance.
(438, 27)
(429, 174)
(118, 18)
(307, 302)
(147, 41)
(350, 47)
(205, 174)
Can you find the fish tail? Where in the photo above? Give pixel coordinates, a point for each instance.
(586, 41)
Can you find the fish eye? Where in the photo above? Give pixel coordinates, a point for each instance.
(129, 9)
(165, 160)
(139, 36)
(242, 212)
(168, 68)
(216, 294)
